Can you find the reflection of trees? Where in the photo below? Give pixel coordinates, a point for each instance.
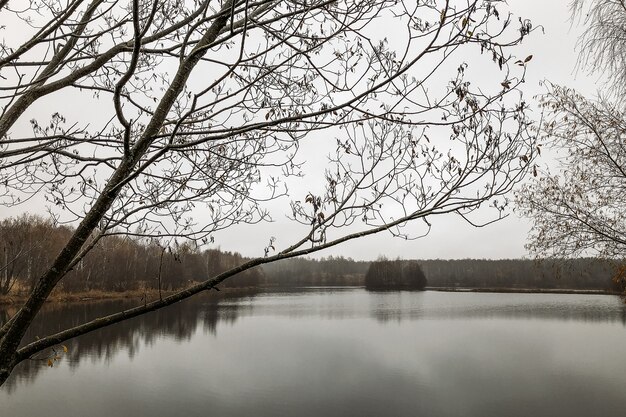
(179, 321)
(555, 311)
(473, 308)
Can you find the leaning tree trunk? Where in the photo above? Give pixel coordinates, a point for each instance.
(13, 331)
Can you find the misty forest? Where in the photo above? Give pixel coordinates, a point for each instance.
(312, 207)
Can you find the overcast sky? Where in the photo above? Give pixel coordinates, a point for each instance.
(554, 58)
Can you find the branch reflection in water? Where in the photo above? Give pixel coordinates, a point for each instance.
(178, 322)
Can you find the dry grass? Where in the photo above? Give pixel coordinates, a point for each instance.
(19, 296)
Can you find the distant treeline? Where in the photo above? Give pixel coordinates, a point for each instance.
(572, 274)
(28, 245)
(576, 274)
(305, 272)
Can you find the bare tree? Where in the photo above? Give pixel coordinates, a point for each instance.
(602, 46)
(578, 205)
(186, 118)
(22, 243)
(580, 210)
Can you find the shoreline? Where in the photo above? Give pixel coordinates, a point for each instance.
(524, 290)
(93, 296)
(86, 296)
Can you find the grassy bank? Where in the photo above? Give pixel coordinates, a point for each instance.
(64, 297)
(18, 297)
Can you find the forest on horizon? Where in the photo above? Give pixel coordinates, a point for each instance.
(120, 264)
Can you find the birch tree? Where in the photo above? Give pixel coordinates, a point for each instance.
(578, 205)
(579, 209)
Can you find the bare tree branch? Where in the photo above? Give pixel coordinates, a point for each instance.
(208, 112)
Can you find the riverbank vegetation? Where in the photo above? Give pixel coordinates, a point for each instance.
(116, 265)
(583, 274)
(122, 267)
(588, 274)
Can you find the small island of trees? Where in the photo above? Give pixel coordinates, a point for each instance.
(385, 274)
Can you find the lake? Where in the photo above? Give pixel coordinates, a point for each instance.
(336, 352)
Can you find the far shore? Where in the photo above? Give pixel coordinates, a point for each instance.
(525, 290)
(153, 294)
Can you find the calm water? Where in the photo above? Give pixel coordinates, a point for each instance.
(337, 353)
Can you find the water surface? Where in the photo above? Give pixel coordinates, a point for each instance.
(330, 352)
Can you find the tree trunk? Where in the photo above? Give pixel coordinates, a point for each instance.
(12, 332)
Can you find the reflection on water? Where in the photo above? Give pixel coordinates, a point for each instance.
(179, 322)
(335, 352)
(345, 303)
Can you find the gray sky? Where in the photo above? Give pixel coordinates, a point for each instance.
(554, 59)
